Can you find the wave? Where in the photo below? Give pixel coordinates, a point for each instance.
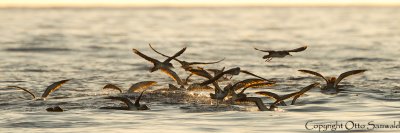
(368, 59)
(42, 49)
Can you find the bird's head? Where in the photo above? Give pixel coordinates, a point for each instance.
(212, 96)
(332, 80)
(153, 69)
(170, 65)
(266, 56)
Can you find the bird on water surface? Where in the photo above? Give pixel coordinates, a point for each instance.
(130, 105)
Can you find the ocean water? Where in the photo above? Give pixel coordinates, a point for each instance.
(93, 47)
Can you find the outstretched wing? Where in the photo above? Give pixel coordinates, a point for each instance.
(298, 49)
(247, 83)
(302, 91)
(53, 87)
(203, 63)
(163, 54)
(256, 85)
(346, 74)
(252, 74)
(152, 60)
(233, 71)
(172, 75)
(172, 87)
(141, 86)
(137, 104)
(111, 86)
(273, 96)
(157, 51)
(284, 97)
(314, 73)
(201, 72)
(175, 55)
(215, 71)
(197, 87)
(264, 50)
(33, 95)
(261, 106)
(123, 99)
(269, 94)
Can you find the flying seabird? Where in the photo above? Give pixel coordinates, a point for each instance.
(219, 71)
(280, 53)
(51, 88)
(295, 95)
(138, 87)
(163, 66)
(241, 97)
(331, 82)
(219, 94)
(184, 64)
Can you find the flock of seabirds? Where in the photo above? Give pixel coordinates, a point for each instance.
(229, 94)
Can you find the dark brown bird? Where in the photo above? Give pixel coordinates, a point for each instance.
(233, 71)
(242, 97)
(163, 66)
(184, 64)
(331, 82)
(55, 109)
(137, 87)
(219, 94)
(218, 71)
(51, 88)
(245, 84)
(280, 53)
(130, 105)
(295, 95)
(202, 73)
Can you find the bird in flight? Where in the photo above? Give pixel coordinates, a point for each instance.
(295, 95)
(51, 88)
(184, 64)
(332, 82)
(279, 53)
(163, 66)
(139, 86)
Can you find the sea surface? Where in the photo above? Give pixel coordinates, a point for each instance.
(93, 47)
